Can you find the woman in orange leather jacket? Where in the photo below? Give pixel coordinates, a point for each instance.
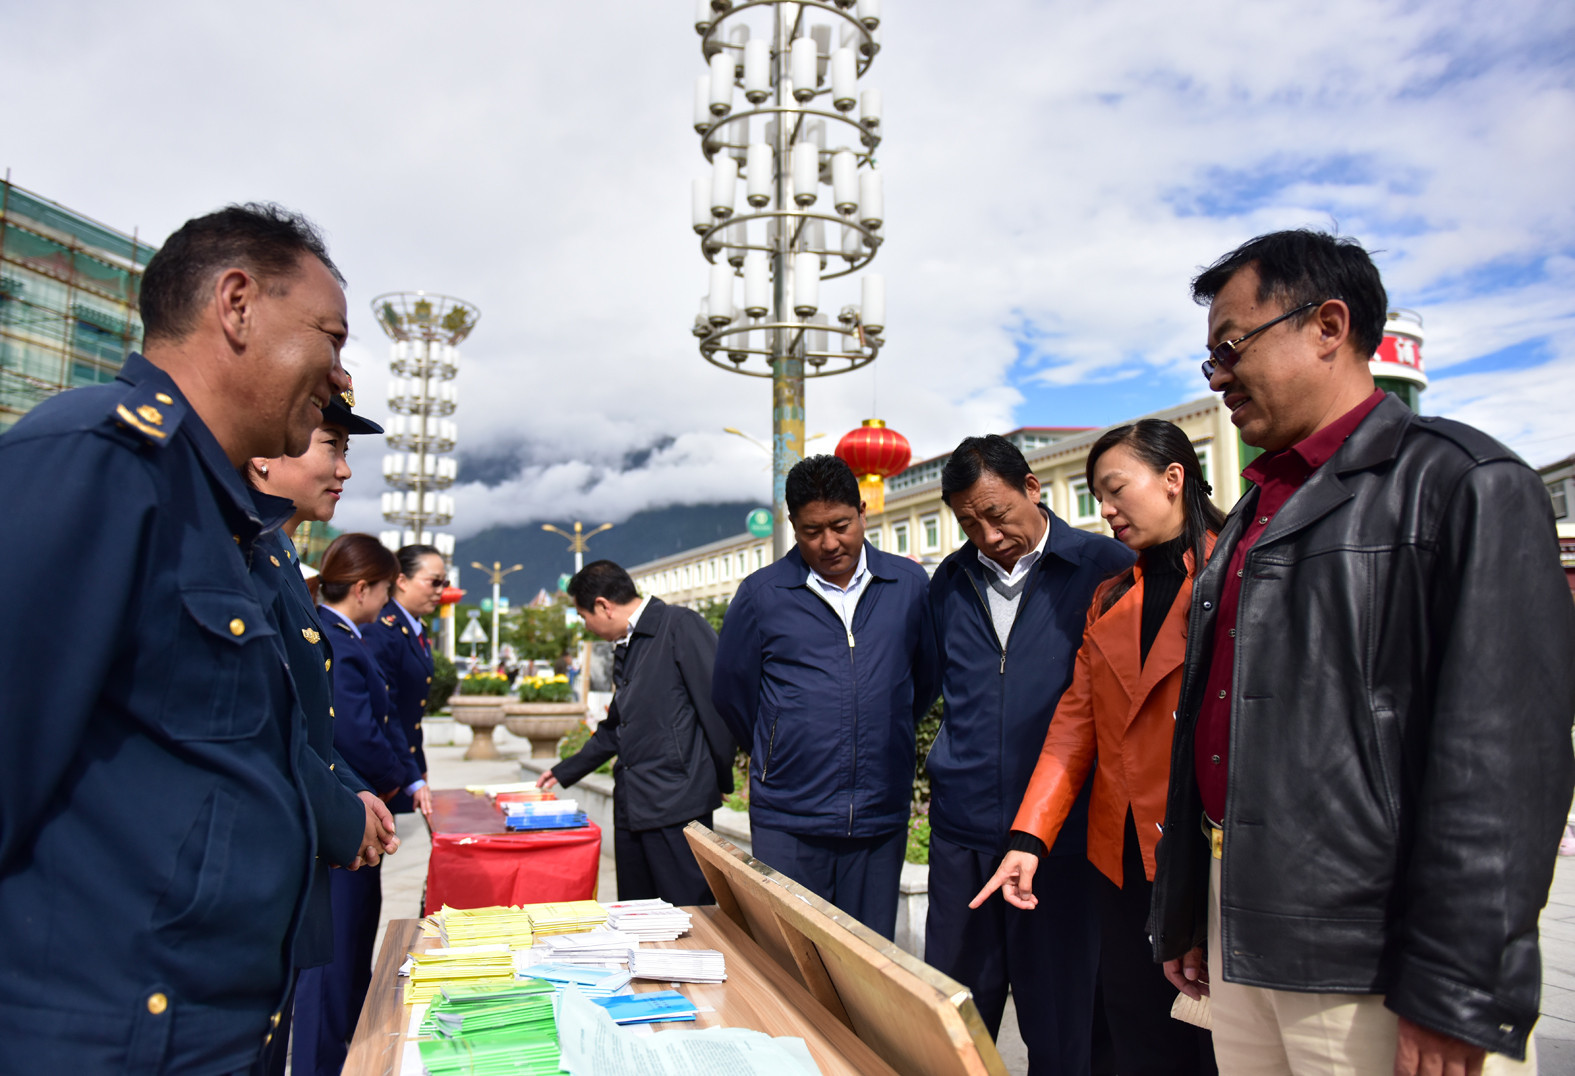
(1118, 711)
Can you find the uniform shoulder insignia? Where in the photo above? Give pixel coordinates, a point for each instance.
(343, 627)
(149, 412)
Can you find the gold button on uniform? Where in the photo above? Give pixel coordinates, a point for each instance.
(423, 702)
(330, 711)
(429, 679)
(328, 664)
(273, 1021)
(237, 626)
(164, 397)
(274, 560)
(157, 1003)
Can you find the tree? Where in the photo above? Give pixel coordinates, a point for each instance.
(545, 633)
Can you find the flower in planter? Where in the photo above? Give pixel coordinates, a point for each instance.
(545, 689)
(487, 683)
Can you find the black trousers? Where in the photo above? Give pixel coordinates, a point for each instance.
(658, 863)
(860, 875)
(328, 999)
(1048, 957)
(1148, 1042)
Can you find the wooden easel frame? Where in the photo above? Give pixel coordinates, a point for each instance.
(919, 1021)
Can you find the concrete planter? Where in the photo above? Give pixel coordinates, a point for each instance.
(594, 794)
(543, 724)
(482, 713)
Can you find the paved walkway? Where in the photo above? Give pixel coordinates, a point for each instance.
(404, 876)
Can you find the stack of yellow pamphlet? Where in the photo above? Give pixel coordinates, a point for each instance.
(484, 926)
(470, 965)
(566, 917)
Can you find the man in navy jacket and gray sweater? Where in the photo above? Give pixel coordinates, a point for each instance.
(825, 665)
(1009, 609)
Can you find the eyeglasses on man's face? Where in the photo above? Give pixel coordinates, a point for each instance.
(1225, 355)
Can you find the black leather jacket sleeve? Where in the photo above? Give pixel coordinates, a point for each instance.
(1494, 784)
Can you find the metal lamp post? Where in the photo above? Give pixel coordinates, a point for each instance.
(808, 173)
(578, 540)
(497, 572)
(426, 330)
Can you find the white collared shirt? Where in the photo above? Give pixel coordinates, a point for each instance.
(634, 618)
(414, 623)
(1024, 562)
(844, 600)
(1003, 609)
(335, 612)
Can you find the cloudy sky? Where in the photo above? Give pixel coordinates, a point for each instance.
(1055, 173)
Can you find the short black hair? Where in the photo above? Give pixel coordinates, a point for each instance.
(975, 455)
(821, 478)
(411, 556)
(1306, 266)
(262, 238)
(601, 579)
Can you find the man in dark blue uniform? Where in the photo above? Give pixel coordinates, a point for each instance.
(403, 648)
(156, 838)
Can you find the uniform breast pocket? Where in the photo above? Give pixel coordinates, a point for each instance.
(221, 667)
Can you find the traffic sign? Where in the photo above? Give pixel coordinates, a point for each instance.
(761, 523)
(473, 633)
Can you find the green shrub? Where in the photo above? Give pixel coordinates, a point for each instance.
(919, 834)
(445, 678)
(929, 726)
(577, 738)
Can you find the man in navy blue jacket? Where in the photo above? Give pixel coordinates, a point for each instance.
(1009, 610)
(162, 946)
(825, 664)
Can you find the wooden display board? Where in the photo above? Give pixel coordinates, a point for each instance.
(919, 1022)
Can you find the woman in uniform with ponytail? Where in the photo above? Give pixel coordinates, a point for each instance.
(352, 585)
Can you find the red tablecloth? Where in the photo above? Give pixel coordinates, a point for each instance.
(476, 863)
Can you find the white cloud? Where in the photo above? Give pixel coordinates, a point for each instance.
(1059, 165)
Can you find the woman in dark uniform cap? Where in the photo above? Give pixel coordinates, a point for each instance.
(354, 827)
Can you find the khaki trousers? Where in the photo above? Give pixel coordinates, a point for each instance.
(1260, 1031)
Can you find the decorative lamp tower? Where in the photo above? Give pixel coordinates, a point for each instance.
(426, 331)
(1397, 364)
(875, 453)
(793, 198)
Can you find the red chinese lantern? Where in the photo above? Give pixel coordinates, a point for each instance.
(875, 453)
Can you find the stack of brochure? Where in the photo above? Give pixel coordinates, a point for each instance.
(592, 982)
(649, 920)
(483, 926)
(471, 965)
(521, 1008)
(678, 965)
(657, 1006)
(601, 945)
(543, 814)
(565, 917)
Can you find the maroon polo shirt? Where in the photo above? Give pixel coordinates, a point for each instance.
(1277, 475)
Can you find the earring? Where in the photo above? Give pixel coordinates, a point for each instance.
(264, 469)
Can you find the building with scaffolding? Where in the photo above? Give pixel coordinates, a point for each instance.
(68, 300)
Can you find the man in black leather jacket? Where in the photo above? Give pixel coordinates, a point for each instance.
(1374, 729)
